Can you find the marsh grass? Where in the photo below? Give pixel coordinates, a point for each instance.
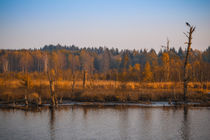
(105, 91)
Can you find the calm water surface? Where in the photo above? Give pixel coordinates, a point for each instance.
(106, 123)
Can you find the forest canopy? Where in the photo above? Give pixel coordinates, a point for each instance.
(109, 64)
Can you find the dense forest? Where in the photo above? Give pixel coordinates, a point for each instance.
(108, 64)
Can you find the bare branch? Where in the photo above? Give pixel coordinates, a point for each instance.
(193, 29)
(186, 35)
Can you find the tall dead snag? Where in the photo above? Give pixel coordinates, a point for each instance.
(74, 78)
(26, 83)
(186, 77)
(166, 61)
(51, 78)
(39, 92)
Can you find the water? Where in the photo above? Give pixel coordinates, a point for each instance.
(106, 123)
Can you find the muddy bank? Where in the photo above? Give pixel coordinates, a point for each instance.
(103, 104)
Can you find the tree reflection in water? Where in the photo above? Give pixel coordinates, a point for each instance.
(105, 122)
(52, 122)
(185, 129)
(123, 123)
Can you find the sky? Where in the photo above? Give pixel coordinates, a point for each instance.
(123, 24)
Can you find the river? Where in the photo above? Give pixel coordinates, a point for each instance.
(119, 122)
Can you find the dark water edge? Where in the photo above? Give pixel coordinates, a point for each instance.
(133, 104)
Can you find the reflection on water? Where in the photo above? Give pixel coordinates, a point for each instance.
(52, 123)
(185, 129)
(113, 122)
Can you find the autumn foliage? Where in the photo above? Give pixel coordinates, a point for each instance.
(109, 64)
(111, 74)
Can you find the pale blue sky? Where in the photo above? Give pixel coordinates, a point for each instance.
(112, 23)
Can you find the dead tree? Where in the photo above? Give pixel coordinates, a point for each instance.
(51, 78)
(73, 71)
(167, 47)
(74, 78)
(186, 76)
(167, 66)
(39, 92)
(26, 84)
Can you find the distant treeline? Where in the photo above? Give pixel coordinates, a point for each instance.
(109, 64)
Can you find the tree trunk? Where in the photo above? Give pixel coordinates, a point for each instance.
(27, 86)
(186, 77)
(73, 84)
(39, 101)
(26, 100)
(52, 93)
(84, 79)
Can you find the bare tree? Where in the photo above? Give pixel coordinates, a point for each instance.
(5, 65)
(186, 76)
(74, 61)
(26, 82)
(51, 78)
(166, 61)
(167, 47)
(45, 63)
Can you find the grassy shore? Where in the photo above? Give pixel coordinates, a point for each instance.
(104, 91)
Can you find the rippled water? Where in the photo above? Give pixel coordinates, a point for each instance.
(106, 123)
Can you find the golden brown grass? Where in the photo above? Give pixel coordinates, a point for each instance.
(109, 84)
(105, 91)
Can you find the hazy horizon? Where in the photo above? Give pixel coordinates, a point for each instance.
(120, 24)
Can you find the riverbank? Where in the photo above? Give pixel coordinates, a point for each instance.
(13, 92)
(100, 104)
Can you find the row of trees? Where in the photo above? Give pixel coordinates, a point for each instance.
(109, 64)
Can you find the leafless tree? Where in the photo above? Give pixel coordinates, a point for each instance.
(186, 76)
(51, 78)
